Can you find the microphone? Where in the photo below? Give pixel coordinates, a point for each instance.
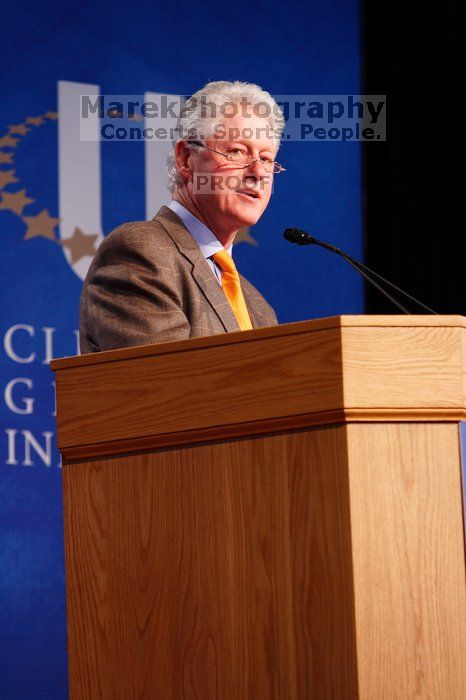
(300, 237)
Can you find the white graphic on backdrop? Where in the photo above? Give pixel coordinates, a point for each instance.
(78, 185)
(79, 173)
(30, 348)
(156, 152)
(80, 167)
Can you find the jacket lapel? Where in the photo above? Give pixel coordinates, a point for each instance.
(259, 311)
(201, 271)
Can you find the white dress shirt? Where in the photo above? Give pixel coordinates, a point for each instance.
(207, 241)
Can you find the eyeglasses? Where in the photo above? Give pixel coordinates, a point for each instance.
(242, 159)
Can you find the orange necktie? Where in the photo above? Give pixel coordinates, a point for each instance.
(232, 288)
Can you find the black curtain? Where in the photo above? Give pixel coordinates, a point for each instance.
(413, 183)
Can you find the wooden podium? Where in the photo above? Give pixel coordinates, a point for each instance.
(274, 514)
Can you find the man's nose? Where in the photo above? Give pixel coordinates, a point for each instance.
(256, 168)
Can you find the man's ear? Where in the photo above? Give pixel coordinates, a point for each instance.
(183, 157)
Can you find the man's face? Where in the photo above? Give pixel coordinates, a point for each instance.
(229, 195)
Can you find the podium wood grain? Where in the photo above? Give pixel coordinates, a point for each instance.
(408, 560)
(227, 573)
(305, 541)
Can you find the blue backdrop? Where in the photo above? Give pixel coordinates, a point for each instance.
(295, 48)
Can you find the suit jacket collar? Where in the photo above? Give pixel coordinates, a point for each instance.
(201, 271)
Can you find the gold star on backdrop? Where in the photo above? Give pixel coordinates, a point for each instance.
(51, 115)
(7, 177)
(8, 141)
(15, 201)
(18, 129)
(244, 236)
(6, 157)
(35, 121)
(80, 244)
(40, 225)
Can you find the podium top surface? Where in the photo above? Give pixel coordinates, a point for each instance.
(285, 329)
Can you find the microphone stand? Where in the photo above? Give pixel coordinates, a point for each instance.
(303, 238)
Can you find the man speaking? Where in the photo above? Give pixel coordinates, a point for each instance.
(174, 277)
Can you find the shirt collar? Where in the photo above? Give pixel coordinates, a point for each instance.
(207, 241)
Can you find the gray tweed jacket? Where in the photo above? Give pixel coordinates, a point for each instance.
(149, 283)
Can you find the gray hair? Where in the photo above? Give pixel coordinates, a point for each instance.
(201, 112)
